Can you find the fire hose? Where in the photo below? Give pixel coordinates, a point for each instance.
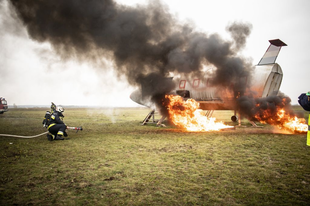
(29, 137)
(75, 128)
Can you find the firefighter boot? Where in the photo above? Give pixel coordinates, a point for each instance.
(49, 137)
(59, 137)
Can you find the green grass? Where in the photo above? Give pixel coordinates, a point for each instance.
(116, 161)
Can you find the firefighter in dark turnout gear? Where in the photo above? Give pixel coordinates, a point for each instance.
(47, 119)
(56, 126)
(304, 101)
(48, 114)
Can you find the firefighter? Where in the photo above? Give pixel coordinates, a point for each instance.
(47, 119)
(304, 101)
(57, 127)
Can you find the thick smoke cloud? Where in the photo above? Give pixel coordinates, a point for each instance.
(145, 43)
(239, 33)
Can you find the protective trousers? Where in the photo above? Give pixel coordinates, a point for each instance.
(308, 134)
(57, 129)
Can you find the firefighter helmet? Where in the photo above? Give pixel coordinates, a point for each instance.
(60, 109)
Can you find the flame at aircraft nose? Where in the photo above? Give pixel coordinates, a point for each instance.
(188, 116)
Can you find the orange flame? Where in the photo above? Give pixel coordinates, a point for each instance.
(185, 114)
(283, 120)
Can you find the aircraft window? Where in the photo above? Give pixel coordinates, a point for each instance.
(182, 84)
(196, 82)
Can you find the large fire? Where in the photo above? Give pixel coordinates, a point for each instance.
(280, 114)
(185, 114)
(283, 120)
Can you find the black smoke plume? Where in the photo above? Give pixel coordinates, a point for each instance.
(143, 42)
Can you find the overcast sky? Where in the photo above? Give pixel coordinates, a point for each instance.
(32, 74)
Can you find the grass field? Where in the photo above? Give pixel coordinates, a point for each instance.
(116, 161)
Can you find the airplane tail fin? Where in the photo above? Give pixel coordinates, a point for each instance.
(272, 52)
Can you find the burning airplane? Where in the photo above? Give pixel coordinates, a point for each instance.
(258, 101)
(266, 82)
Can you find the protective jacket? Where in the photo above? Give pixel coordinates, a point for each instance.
(47, 119)
(304, 101)
(56, 118)
(57, 127)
